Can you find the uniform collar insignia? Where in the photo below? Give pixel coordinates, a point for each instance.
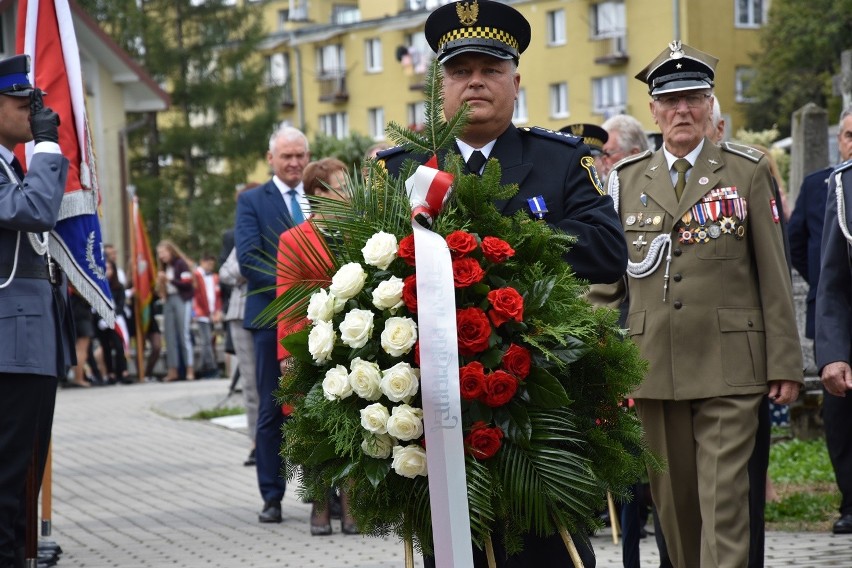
(714, 162)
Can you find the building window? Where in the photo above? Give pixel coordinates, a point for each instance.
(330, 60)
(609, 95)
(298, 10)
(373, 55)
(283, 18)
(556, 27)
(420, 55)
(416, 116)
(749, 13)
(520, 115)
(416, 5)
(277, 69)
(335, 124)
(743, 77)
(376, 123)
(345, 14)
(608, 20)
(559, 100)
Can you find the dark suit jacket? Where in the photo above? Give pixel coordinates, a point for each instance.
(549, 164)
(834, 293)
(262, 216)
(35, 341)
(805, 232)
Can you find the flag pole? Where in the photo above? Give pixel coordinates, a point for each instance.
(137, 303)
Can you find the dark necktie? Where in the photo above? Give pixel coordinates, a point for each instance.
(681, 165)
(19, 171)
(295, 208)
(475, 162)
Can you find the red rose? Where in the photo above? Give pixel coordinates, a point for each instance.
(506, 304)
(472, 380)
(460, 243)
(406, 250)
(483, 441)
(409, 293)
(474, 330)
(466, 271)
(517, 360)
(500, 388)
(496, 250)
(417, 353)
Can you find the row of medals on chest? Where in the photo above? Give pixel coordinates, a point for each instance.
(702, 231)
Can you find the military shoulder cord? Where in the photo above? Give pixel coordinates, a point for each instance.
(654, 257)
(841, 206)
(39, 244)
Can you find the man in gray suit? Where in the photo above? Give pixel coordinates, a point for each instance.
(833, 340)
(37, 336)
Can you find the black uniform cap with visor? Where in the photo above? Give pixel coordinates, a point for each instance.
(679, 68)
(480, 26)
(14, 76)
(593, 136)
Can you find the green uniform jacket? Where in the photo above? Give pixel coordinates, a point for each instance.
(727, 323)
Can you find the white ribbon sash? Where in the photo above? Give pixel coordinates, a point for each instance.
(439, 375)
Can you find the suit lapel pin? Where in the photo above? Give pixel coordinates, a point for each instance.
(704, 181)
(644, 199)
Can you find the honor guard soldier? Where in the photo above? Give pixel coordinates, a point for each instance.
(834, 330)
(711, 309)
(478, 44)
(37, 337)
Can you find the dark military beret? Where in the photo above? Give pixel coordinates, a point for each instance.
(482, 26)
(593, 135)
(14, 80)
(679, 68)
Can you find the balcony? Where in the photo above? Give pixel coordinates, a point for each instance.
(611, 50)
(333, 86)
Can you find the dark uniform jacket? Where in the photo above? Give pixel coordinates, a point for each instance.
(725, 325)
(31, 322)
(805, 231)
(834, 294)
(559, 168)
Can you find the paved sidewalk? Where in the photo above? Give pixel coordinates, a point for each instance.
(136, 485)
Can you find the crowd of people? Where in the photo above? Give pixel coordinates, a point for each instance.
(689, 240)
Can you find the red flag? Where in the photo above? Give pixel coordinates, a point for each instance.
(143, 269)
(45, 32)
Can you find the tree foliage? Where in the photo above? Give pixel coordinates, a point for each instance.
(801, 46)
(187, 162)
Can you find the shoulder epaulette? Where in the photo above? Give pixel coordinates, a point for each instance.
(385, 154)
(633, 158)
(741, 150)
(844, 166)
(546, 133)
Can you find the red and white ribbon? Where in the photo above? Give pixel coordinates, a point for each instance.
(428, 189)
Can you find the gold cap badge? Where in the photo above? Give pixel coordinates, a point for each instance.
(468, 13)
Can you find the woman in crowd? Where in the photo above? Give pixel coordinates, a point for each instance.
(174, 285)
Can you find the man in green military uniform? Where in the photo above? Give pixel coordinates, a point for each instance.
(711, 309)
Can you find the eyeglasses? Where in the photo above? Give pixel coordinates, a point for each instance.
(669, 102)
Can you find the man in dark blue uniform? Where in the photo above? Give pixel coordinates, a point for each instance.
(832, 319)
(37, 338)
(479, 61)
(478, 45)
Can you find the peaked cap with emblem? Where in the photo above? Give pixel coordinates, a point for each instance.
(14, 79)
(679, 68)
(593, 135)
(482, 26)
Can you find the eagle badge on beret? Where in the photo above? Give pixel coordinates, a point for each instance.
(468, 13)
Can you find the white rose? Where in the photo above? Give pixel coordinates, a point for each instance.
(321, 306)
(336, 385)
(400, 382)
(399, 336)
(365, 378)
(405, 422)
(339, 304)
(377, 445)
(409, 461)
(348, 281)
(388, 294)
(374, 418)
(356, 328)
(380, 250)
(321, 341)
